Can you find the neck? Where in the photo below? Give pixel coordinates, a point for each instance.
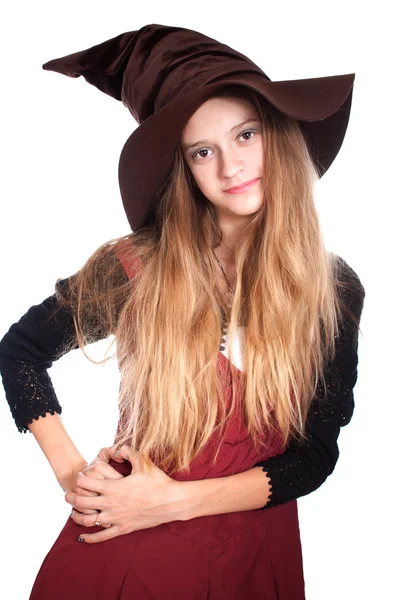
(232, 229)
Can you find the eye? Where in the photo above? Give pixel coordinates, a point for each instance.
(194, 156)
(247, 132)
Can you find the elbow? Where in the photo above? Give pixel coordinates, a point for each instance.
(325, 462)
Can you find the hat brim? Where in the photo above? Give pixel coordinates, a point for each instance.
(321, 105)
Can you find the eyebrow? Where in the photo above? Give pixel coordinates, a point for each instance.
(238, 126)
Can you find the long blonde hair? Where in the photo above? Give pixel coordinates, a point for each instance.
(166, 320)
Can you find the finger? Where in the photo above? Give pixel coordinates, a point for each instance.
(115, 453)
(93, 470)
(94, 484)
(108, 453)
(86, 520)
(137, 461)
(125, 451)
(82, 502)
(133, 457)
(100, 536)
(69, 497)
(102, 470)
(88, 511)
(82, 492)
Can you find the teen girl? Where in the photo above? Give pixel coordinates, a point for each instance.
(236, 332)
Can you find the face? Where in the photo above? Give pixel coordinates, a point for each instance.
(222, 145)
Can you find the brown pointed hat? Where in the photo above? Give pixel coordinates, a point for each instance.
(163, 74)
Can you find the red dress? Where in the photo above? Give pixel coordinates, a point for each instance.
(247, 555)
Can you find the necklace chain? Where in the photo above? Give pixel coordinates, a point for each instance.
(223, 272)
(224, 318)
(227, 247)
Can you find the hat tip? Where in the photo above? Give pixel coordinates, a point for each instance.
(49, 65)
(63, 67)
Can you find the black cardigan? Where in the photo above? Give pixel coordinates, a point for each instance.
(32, 344)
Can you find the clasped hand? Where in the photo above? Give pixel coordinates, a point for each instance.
(123, 504)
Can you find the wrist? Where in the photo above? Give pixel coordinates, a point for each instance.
(62, 454)
(249, 490)
(67, 479)
(202, 497)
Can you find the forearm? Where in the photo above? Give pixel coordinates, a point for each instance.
(244, 491)
(59, 449)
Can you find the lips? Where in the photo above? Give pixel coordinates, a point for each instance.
(241, 188)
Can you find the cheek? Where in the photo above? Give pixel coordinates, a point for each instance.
(258, 155)
(196, 178)
(203, 178)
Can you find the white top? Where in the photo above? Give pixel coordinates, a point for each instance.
(236, 348)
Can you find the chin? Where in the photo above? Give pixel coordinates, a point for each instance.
(239, 208)
(249, 210)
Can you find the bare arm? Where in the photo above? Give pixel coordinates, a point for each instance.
(62, 454)
(27, 351)
(243, 491)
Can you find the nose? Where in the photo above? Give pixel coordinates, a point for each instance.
(231, 163)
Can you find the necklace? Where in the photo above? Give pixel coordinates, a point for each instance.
(223, 272)
(231, 251)
(224, 317)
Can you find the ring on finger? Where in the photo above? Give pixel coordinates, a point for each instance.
(98, 523)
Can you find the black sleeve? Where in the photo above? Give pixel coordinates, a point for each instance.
(27, 350)
(303, 467)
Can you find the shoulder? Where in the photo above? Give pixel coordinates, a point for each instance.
(344, 270)
(350, 289)
(350, 296)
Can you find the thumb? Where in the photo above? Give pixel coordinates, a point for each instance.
(115, 453)
(133, 457)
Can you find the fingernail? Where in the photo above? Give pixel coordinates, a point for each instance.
(80, 539)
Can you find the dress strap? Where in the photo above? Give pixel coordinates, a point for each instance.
(130, 265)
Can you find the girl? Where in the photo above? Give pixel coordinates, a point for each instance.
(236, 332)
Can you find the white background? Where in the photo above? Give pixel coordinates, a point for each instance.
(60, 144)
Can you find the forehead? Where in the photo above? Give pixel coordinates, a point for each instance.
(221, 112)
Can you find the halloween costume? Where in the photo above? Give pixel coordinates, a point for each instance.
(249, 554)
(237, 555)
